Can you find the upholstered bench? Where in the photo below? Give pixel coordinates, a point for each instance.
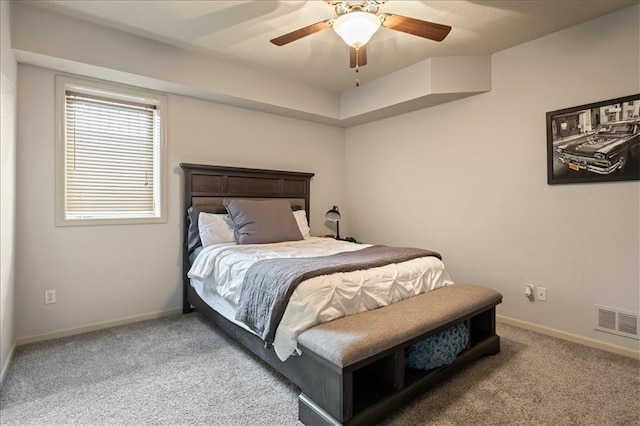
(361, 371)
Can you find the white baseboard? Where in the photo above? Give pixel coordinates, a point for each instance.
(7, 363)
(95, 326)
(592, 343)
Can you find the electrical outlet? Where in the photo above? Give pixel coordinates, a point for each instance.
(541, 294)
(49, 297)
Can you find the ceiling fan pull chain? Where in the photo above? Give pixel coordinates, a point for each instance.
(357, 64)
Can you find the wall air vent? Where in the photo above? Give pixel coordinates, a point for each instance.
(622, 323)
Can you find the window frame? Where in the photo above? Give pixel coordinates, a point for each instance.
(116, 93)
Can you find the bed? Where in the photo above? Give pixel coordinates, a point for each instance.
(329, 393)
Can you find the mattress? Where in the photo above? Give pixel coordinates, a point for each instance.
(218, 272)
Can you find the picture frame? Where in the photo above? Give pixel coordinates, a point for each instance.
(597, 142)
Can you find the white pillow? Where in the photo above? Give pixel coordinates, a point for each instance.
(215, 229)
(301, 219)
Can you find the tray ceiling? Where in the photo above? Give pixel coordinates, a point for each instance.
(239, 31)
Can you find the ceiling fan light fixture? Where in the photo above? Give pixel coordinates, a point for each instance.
(356, 28)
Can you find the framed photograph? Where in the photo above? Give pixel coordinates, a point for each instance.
(598, 142)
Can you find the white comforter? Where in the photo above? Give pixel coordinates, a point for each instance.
(221, 269)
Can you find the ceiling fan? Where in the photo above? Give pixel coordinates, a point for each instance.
(356, 23)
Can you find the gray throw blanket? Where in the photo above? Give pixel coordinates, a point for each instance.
(268, 284)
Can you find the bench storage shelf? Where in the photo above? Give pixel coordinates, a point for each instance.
(361, 373)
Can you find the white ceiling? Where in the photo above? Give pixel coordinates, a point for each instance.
(239, 31)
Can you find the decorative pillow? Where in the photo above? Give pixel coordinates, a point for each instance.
(303, 225)
(215, 229)
(262, 222)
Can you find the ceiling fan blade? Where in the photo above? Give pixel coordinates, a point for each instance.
(302, 32)
(417, 27)
(357, 56)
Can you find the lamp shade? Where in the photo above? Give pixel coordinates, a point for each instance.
(356, 28)
(333, 215)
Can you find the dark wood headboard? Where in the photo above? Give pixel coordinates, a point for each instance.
(209, 185)
(206, 185)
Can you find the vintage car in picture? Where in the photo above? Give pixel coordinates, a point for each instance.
(612, 146)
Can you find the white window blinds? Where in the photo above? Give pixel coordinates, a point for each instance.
(111, 158)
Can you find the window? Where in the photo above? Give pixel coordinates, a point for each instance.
(109, 154)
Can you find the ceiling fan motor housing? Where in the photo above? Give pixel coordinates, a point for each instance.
(370, 6)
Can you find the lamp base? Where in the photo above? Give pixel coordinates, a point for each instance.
(348, 239)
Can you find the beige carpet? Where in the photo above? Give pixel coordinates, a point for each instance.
(181, 370)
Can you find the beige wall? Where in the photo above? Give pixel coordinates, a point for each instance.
(7, 190)
(106, 273)
(469, 179)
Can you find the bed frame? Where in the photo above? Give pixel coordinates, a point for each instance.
(207, 186)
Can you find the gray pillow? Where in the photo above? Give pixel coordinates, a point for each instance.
(263, 221)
